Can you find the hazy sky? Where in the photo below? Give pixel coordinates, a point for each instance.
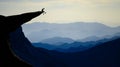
(65, 11)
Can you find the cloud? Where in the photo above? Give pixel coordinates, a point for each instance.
(11, 0)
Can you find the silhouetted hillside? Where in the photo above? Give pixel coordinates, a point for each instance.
(72, 47)
(105, 55)
(38, 57)
(45, 46)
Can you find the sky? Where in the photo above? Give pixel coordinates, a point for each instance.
(66, 11)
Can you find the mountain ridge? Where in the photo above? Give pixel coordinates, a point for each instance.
(40, 31)
(103, 55)
(57, 41)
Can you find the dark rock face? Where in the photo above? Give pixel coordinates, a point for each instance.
(9, 24)
(38, 57)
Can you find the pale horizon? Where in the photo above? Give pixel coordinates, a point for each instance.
(66, 11)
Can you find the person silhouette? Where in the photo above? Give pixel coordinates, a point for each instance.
(9, 24)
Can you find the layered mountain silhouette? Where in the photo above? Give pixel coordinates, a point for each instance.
(57, 41)
(37, 32)
(91, 38)
(105, 55)
(69, 45)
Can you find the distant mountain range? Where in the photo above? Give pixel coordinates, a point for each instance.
(57, 41)
(74, 46)
(37, 32)
(91, 38)
(105, 54)
(70, 37)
